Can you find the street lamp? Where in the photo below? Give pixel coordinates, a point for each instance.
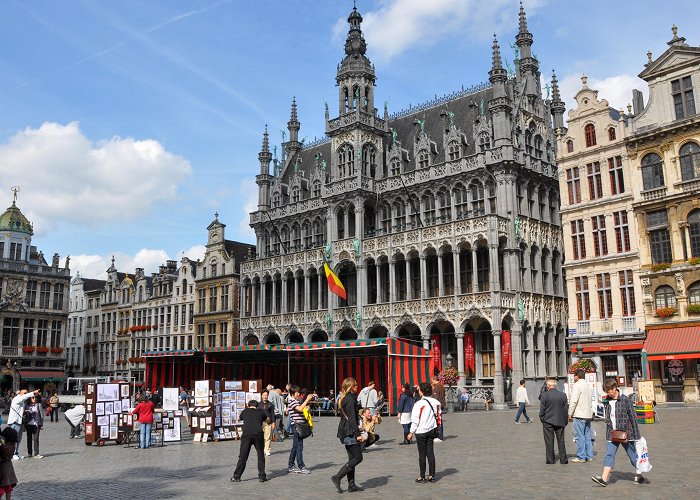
(449, 360)
(579, 349)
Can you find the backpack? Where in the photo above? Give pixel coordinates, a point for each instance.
(307, 416)
(27, 417)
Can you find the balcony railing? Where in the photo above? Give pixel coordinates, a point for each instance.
(629, 324)
(10, 351)
(584, 328)
(654, 194)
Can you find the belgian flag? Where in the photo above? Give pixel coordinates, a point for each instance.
(334, 284)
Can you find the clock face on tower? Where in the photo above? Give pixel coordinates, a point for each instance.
(214, 237)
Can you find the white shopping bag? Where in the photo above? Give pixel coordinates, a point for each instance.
(643, 464)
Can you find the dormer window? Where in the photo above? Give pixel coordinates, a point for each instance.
(296, 194)
(316, 189)
(346, 158)
(369, 160)
(569, 146)
(683, 100)
(538, 146)
(484, 142)
(275, 200)
(453, 151)
(611, 134)
(395, 166)
(423, 158)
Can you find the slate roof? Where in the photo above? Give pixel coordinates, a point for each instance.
(90, 285)
(238, 251)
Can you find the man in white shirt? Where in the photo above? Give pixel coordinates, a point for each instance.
(581, 413)
(523, 401)
(368, 398)
(14, 419)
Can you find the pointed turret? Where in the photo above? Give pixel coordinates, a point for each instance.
(528, 65)
(500, 105)
(557, 105)
(263, 179)
(293, 124)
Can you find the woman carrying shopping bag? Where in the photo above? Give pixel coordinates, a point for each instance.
(622, 429)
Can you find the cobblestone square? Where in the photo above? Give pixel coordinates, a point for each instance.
(485, 455)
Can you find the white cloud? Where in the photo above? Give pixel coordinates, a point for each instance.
(248, 196)
(95, 266)
(64, 176)
(616, 89)
(398, 25)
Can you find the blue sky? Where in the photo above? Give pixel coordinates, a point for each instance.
(127, 124)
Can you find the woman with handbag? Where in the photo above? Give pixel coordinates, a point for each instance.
(349, 434)
(425, 422)
(622, 429)
(404, 409)
(33, 423)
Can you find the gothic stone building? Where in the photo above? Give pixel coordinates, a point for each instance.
(442, 222)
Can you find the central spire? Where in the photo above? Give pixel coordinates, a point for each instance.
(355, 43)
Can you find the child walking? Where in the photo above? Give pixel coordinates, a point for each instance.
(8, 479)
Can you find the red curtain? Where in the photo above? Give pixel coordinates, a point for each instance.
(437, 355)
(506, 351)
(469, 360)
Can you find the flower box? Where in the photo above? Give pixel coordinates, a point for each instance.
(448, 376)
(694, 261)
(57, 350)
(694, 309)
(660, 267)
(42, 349)
(666, 312)
(94, 345)
(28, 348)
(586, 364)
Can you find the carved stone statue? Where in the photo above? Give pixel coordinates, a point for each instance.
(680, 283)
(329, 325)
(328, 251)
(358, 320)
(518, 225)
(521, 310)
(356, 247)
(54, 260)
(646, 288)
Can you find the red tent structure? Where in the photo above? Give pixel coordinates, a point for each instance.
(315, 365)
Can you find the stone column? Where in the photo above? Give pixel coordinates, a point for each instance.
(320, 290)
(426, 345)
(441, 281)
(528, 286)
(475, 274)
(392, 281)
(499, 400)
(263, 297)
(409, 280)
(296, 293)
(493, 267)
(274, 297)
(307, 291)
(285, 285)
(423, 277)
(378, 276)
(460, 361)
(516, 349)
(456, 271)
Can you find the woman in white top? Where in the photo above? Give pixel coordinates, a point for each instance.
(425, 419)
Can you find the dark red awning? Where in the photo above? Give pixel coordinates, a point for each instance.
(616, 345)
(41, 375)
(673, 343)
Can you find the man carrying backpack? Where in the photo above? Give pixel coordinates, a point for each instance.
(368, 398)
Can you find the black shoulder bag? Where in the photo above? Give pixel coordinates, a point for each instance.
(434, 432)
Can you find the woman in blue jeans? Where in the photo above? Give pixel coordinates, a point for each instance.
(144, 411)
(619, 415)
(404, 409)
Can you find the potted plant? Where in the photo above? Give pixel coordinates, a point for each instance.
(666, 312)
(586, 364)
(42, 349)
(660, 267)
(28, 349)
(57, 350)
(449, 377)
(694, 309)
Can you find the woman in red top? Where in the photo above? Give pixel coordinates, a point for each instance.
(144, 410)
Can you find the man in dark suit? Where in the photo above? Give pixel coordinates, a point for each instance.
(554, 417)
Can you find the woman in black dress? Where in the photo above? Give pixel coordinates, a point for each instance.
(349, 434)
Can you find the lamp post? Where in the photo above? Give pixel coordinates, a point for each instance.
(579, 350)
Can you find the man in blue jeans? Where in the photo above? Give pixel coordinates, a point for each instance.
(581, 413)
(523, 402)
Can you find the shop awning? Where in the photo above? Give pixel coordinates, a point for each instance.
(619, 345)
(673, 343)
(41, 376)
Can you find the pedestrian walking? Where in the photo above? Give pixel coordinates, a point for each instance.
(252, 436)
(425, 421)
(554, 417)
(8, 478)
(368, 397)
(523, 403)
(74, 416)
(581, 414)
(620, 417)
(268, 424)
(144, 410)
(14, 419)
(349, 434)
(34, 422)
(295, 408)
(404, 409)
(53, 404)
(275, 397)
(439, 394)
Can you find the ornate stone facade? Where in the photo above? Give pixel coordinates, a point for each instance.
(441, 222)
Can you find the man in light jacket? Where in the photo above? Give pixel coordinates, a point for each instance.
(14, 419)
(581, 413)
(74, 416)
(368, 398)
(278, 402)
(523, 402)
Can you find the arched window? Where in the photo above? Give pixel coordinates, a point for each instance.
(369, 160)
(690, 161)
(611, 134)
(665, 297)
(400, 215)
(275, 200)
(366, 99)
(319, 229)
(316, 189)
(385, 218)
(694, 294)
(453, 150)
(538, 146)
(445, 205)
(355, 97)
(423, 158)
(346, 102)
(346, 161)
(569, 146)
(589, 132)
(694, 230)
(340, 223)
(528, 142)
(296, 194)
(484, 142)
(461, 202)
(652, 171)
(477, 198)
(428, 208)
(395, 166)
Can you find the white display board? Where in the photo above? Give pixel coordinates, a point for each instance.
(596, 392)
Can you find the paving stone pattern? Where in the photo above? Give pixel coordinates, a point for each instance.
(485, 455)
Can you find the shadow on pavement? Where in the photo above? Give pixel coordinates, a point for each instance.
(449, 472)
(324, 465)
(375, 482)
